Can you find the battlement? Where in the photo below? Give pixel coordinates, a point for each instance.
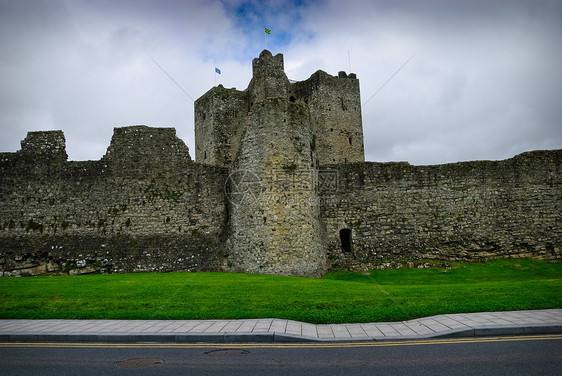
(145, 148)
(280, 186)
(49, 145)
(331, 105)
(269, 80)
(268, 65)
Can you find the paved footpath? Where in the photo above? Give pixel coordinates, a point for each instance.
(276, 330)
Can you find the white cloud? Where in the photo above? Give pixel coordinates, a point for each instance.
(484, 82)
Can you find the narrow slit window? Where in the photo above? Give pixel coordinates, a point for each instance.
(345, 238)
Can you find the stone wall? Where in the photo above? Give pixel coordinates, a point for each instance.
(332, 103)
(145, 206)
(263, 196)
(335, 114)
(462, 211)
(220, 120)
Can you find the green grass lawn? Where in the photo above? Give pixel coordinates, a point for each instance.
(385, 295)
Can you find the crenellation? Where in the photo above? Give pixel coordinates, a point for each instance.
(115, 211)
(140, 148)
(46, 145)
(279, 186)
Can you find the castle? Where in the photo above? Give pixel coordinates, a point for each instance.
(279, 186)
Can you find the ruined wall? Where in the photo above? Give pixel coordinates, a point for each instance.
(263, 196)
(145, 206)
(460, 211)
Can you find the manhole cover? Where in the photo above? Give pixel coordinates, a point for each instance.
(227, 352)
(140, 363)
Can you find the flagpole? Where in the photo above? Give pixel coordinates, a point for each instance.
(267, 31)
(217, 71)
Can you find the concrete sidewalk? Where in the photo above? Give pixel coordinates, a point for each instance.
(276, 330)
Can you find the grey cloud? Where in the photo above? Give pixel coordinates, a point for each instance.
(484, 83)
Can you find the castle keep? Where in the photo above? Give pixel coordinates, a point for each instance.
(279, 186)
(272, 138)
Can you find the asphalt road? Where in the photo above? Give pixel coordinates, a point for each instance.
(536, 355)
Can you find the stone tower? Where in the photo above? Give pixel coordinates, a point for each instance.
(273, 137)
(335, 111)
(333, 103)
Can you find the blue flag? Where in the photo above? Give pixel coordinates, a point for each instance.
(217, 70)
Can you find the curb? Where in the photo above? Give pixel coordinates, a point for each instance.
(270, 337)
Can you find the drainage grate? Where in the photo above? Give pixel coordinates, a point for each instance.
(227, 352)
(140, 363)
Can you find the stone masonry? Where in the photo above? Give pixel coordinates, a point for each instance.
(279, 186)
(145, 206)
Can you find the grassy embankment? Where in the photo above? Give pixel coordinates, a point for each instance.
(388, 295)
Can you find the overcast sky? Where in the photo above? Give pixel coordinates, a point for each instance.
(484, 81)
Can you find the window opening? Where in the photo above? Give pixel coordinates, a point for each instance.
(345, 238)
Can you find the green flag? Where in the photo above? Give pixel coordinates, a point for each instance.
(267, 31)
